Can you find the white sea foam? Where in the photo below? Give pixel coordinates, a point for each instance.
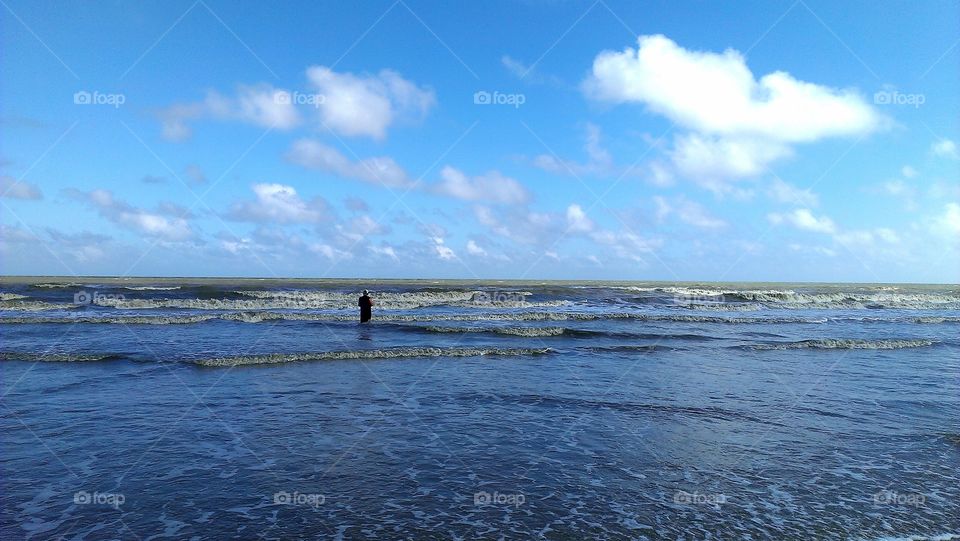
(886, 297)
(389, 353)
(512, 331)
(326, 300)
(260, 316)
(936, 319)
(845, 343)
(19, 305)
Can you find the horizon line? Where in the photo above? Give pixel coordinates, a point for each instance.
(5, 277)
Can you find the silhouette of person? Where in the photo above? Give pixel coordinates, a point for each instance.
(366, 307)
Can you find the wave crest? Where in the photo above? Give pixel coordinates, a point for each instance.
(845, 343)
(389, 353)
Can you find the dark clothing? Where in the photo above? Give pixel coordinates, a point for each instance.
(366, 308)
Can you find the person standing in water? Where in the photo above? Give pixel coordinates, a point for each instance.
(366, 307)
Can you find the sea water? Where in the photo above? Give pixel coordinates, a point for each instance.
(239, 408)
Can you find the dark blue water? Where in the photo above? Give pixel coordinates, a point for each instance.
(261, 409)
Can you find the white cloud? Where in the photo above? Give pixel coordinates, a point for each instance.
(693, 213)
(83, 247)
(366, 105)
(329, 252)
(578, 221)
(527, 73)
(356, 204)
(624, 243)
(687, 211)
(443, 251)
(491, 187)
(948, 223)
(895, 187)
(385, 250)
(378, 170)
(261, 105)
(857, 237)
(659, 175)
(514, 66)
(627, 244)
(664, 208)
(739, 124)
(598, 162)
(173, 120)
(812, 249)
(18, 189)
(717, 93)
(278, 203)
(709, 160)
(784, 192)
(519, 224)
(11, 236)
(902, 189)
(887, 235)
(545, 230)
(360, 227)
(804, 219)
(945, 148)
(474, 249)
(169, 222)
(234, 244)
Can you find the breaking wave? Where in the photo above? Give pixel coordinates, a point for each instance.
(323, 300)
(734, 299)
(58, 357)
(936, 319)
(57, 285)
(258, 317)
(18, 305)
(389, 353)
(844, 343)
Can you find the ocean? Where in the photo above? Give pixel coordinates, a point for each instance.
(178, 408)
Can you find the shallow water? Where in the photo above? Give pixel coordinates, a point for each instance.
(176, 408)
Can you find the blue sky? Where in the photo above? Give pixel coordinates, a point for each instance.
(772, 141)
